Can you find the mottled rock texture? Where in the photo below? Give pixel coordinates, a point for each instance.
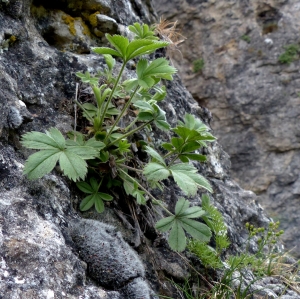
(254, 98)
(42, 252)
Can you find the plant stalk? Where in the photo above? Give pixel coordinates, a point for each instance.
(121, 113)
(112, 92)
(130, 133)
(150, 195)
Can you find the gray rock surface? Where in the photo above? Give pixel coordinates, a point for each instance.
(38, 257)
(254, 99)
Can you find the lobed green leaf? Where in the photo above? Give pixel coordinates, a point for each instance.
(87, 202)
(165, 224)
(85, 187)
(73, 166)
(99, 204)
(41, 163)
(177, 238)
(181, 206)
(156, 172)
(193, 212)
(154, 154)
(196, 229)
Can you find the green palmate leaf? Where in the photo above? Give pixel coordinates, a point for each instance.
(41, 163)
(142, 31)
(193, 212)
(156, 172)
(154, 154)
(70, 154)
(88, 202)
(39, 141)
(177, 239)
(181, 206)
(165, 224)
(85, 187)
(157, 69)
(99, 204)
(196, 229)
(106, 50)
(73, 166)
(187, 179)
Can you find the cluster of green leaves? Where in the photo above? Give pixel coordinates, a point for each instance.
(102, 156)
(291, 53)
(209, 256)
(246, 38)
(183, 220)
(198, 65)
(267, 260)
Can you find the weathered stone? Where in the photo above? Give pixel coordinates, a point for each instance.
(38, 257)
(252, 96)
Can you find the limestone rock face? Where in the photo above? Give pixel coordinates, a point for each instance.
(42, 253)
(253, 96)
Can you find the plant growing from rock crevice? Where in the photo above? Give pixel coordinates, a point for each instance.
(102, 157)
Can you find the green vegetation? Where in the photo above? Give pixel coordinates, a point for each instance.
(291, 53)
(268, 260)
(209, 256)
(246, 38)
(102, 157)
(198, 65)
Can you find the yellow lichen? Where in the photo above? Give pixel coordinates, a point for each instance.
(93, 19)
(70, 22)
(12, 39)
(85, 28)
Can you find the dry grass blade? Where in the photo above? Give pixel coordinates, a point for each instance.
(167, 31)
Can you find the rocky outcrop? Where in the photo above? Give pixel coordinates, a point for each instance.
(251, 85)
(46, 249)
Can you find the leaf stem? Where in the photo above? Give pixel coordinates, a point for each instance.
(148, 193)
(82, 108)
(121, 113)
(112, 93)
(130, 133)
(173, 160)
